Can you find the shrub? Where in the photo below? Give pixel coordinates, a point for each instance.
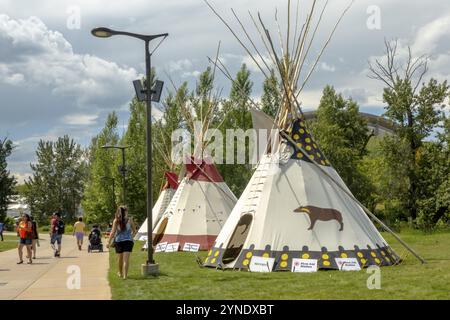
(68, 229)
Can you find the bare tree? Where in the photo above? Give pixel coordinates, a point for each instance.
(392, 70)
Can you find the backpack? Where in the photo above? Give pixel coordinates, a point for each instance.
(60, 227)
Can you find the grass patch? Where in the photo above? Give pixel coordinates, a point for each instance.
(10, 242)
(181, 278)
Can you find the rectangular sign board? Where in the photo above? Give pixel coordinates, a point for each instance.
(143, 238)
(261, 264)
(304, 265)
(172, 247)
(161, 247)
(348, 264)
(191, 247)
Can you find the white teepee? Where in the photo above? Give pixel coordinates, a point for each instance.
(290, 210)
(161, 204)
(198, 210)
(295, 205)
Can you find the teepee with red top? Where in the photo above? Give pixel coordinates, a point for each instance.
(198, 209)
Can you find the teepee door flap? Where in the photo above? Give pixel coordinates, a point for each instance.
(238, 238)
(160, 232)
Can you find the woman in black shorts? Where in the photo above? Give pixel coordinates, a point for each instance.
(122, 232)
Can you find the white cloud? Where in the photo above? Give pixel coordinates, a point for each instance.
(80, 119)
(22, 177)
(179, 65)
(189, 74)
(428, 37)
(326, 67)
(9, 77)
(36, 56)
(253, 65)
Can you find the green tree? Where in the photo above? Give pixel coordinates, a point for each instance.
(99, 202)
(434, 180)
(135, 139)
(271, 97)
(342, 134)
(58, 179)
(236, 115)
(416, 109)
(7, 182)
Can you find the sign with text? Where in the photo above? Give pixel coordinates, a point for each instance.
(191, 247)
(304, 265)
(161, 247)
(143, 238)
(172, 247)
(348, 264)
(261, 264)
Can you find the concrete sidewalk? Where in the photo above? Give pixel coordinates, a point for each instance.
(50, 278)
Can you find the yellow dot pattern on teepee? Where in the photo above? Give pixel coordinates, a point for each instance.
(325, 258)
(284, 263)
(302, 138)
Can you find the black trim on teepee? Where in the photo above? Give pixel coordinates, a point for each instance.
(302, 137)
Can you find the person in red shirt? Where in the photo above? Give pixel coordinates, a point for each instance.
(52, 224)
(56, 232)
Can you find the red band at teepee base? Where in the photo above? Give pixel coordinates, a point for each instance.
(205, 241)
(202, 171)
(172, 180)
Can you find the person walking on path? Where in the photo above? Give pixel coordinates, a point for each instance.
(35, 240)
(78, 231)
(122, 232)
(56, 232)
(25, 230)
(2, 226)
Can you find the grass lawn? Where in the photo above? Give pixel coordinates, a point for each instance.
(182, 278)
(9, 243)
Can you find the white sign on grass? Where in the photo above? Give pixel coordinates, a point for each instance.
(191, 247)
(348, 264)
(143, 238)
(261, 264)
(145, 246)
(304, 265)
(161, 247)
(172, 247)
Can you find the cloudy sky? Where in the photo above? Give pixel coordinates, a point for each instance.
(56, 79)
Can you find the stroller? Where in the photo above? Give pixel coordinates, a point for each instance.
(95, 240)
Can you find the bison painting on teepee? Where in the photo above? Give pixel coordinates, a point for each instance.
(203, 201)
(295, 205)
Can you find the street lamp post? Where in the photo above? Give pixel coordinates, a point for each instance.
(122, 169)
(150, 267)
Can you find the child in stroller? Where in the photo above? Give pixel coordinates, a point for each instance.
(95, 239)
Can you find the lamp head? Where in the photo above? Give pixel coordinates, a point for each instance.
(102, 32)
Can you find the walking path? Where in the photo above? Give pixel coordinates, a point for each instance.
(50, 278)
